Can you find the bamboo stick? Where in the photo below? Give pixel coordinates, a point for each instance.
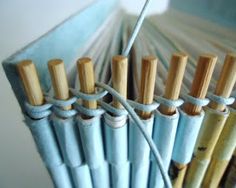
(59, 80)
(222, 154)
(119, 77)
(212, 127)
(203, 74)
(208, 135)
(226, 81)
(86, 78)
(31, 82)
(174, 81)
(148, 76)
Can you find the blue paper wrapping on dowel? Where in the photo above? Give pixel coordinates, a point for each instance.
(68, 136)
(60, 176)
(139, 175)
(100, 176)
(164, 132)
(116, 137)
(47, 147)
(139, 153)
(92, 142)
(120, 175)
(186, 136)
(81, 176)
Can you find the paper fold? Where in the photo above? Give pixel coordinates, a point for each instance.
(48, 149)
(116, 136)
(164, 131)
(139, 153)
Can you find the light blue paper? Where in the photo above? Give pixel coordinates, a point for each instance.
(45, 141)
(92, 142)
(155, 177)
(73, 34)
(164, 131)
(139, 150)
(68, 137)
(139, 175)
(120, 175)
(71, 147)
(81, 176)
(186, 136)
(60, 176)
(116, 137)
(100, 176)
(49, 151)
(143, 130)
(139, 153)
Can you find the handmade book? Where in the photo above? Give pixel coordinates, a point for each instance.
(114, 99)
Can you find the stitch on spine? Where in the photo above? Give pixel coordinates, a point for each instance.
(88, 97)
(89, 112)
(143, 107)
(111, 109)
(38, 112)
(196, 101)
(220, 99)
(168, 102)
(58, 104)
(64, 113)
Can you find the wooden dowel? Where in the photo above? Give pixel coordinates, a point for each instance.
(203, 74)
(204, 71)
(119, 77)
(86, 78)
(226, 81)
(31, 82)
(174, 81)
(148, 76)
(59, 80)
(223, 151)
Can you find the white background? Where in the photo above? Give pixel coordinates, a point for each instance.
(22, 21)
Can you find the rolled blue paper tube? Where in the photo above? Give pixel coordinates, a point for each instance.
(68, 136)
(116, 140)
(81, 176)
(60, 176)
(139, 153)
(45, 141)
(91, 138)
(139, 175)
(100, 176)
(139, 150)
(186, 136)
(48, 149)
(164, 132)
(120, 175)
